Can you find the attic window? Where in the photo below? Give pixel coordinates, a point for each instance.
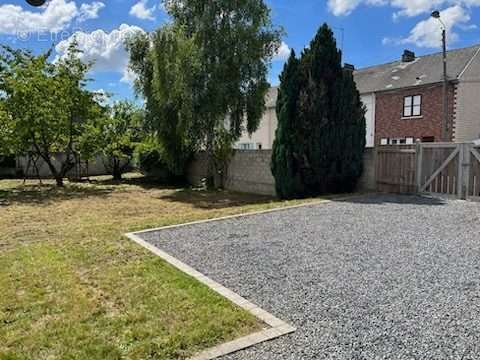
(412, 106)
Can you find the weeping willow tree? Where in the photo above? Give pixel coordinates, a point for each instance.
(209, 65)
(166, 64)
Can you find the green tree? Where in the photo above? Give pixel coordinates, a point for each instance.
(166, 64)
(321, 124)
(233, 42)
(222, 153)
(118, 136)
(6, 138)
(46, 106)
(351, 114)
(284, 163)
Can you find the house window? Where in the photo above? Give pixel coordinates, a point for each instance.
(428, 139)
(412, 106)
(397, 141)
(246, 146)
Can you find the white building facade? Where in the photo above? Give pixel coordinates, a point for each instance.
(265, 135)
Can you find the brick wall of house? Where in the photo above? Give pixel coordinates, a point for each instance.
(389, 121)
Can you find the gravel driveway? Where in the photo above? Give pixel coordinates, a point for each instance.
(378, 277)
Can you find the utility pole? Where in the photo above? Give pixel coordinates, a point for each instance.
(445, 88)
(445, 122)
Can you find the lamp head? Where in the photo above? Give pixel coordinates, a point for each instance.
(436, 14)
(36, 2)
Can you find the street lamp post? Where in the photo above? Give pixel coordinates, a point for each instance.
(445, 127)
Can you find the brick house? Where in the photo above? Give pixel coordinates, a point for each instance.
(404, 101)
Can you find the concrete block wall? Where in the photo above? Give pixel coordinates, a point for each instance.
(96, 166)
(197, 169)
(249, 171)
(368, 181)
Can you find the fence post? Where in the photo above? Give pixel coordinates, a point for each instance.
(418, 167)
(376, 165)
(460, 181)
(466, 164)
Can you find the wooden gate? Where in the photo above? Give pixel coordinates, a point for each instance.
(473, 188)
(395, 168)
(448, 169)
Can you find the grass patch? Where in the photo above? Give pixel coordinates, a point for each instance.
(74, 287)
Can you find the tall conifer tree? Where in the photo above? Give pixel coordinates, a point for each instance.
(284, 166)
(326, 124)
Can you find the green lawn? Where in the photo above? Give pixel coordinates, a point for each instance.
(72, 286)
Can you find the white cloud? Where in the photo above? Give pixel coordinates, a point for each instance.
(405, 7)
(102, 97)
(128, 77)
(142, 11)
(427, 32)
(415, 7)
(342, 7)
(345, 7)
(57, 15)
(90, 11)
(107, 50)
(283, 52)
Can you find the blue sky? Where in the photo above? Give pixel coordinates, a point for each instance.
(373, 31)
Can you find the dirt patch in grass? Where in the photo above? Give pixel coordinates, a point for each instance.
(74, 287)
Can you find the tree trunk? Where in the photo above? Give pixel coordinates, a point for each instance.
(59, 181)
(56, 174)
(37, 170)
(117, 172)
(210, 178)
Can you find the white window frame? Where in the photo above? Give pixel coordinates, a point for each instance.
(412, 106)
(397, 141)
(246, 146)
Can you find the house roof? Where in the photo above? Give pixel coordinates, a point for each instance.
(423, 70)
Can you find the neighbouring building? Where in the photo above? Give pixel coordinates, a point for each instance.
(264, 136)
(404, 101)
(407, 97)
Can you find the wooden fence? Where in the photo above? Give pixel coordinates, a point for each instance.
(395, 169)
(451, 169)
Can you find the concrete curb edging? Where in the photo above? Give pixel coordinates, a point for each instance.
(277, 328)
(260, 212)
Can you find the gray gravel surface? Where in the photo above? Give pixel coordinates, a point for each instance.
(377, 277)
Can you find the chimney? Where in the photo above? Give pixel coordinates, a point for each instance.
(408, 56)
(349, 67)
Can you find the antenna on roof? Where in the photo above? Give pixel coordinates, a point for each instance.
(342, 30)
(343, 36)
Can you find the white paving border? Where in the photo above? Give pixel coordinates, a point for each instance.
(277, 328)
